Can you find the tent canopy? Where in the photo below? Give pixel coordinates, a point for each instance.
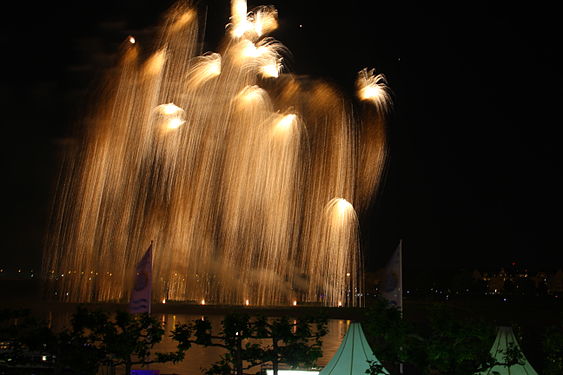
(352, 355)
(504, 340)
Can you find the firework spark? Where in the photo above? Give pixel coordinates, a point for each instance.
(246, 179)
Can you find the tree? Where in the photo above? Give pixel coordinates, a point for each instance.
(375, 368)
(94, 338)
(21, 335)
(455, 346)
(124, 340)
(553, 350)
(293, 343)
(393, 339)
(66, 350)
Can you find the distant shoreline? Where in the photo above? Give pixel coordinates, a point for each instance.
(347, 313)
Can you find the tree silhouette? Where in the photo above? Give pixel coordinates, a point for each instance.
(254, 342)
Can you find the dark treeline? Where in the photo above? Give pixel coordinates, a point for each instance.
(428, 338)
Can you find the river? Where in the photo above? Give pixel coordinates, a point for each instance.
(197, 357)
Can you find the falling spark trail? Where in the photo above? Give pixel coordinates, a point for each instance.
(247, 179)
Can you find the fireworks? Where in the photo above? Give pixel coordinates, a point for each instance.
(245, 178)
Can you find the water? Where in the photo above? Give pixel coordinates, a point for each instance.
(247, 178)
(198, 357)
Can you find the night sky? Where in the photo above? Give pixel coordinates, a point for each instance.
(473, 178)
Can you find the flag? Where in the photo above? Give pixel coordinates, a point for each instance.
(141, 294)
(392, 285)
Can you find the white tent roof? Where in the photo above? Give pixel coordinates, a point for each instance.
(352, 355)
(505, 337)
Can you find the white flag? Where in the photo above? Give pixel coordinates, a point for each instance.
(392, 285)
(141, 294)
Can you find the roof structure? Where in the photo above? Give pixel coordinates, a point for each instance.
(352, 355)
(504, 340)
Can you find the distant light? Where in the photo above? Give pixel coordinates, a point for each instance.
(132, 40)
(247, 302)
(339, 303)
(202, 302)
(163, 300)
(347, 274)
(43, 358)
(294, 303)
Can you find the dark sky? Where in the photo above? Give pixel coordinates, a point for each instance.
(473, 178)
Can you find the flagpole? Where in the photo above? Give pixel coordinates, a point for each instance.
(150, 281)
(401, 367)
(401, 273)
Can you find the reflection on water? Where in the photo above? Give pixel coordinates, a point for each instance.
(198, 357)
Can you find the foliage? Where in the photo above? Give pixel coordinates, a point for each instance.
(512, 356)
(292, 343)
(376, 368)
(94, 338)
(457, 346)
(443, 345)
(553, 349)
(393, 339)
(21, 336)
(124, 340)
